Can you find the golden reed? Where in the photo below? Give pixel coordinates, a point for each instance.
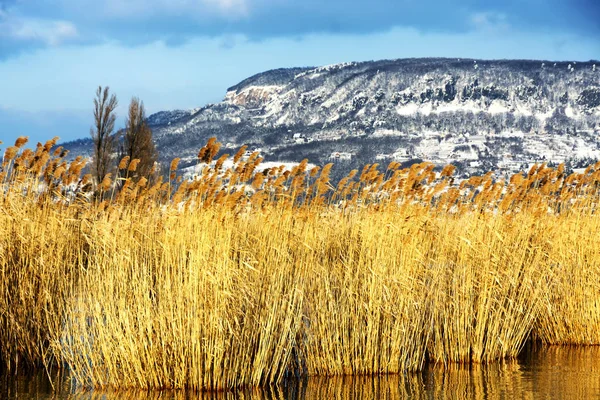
(242, 275)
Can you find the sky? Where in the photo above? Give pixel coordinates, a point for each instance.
(181, 54)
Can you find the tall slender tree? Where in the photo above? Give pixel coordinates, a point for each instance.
(102, 132)
(138, 142)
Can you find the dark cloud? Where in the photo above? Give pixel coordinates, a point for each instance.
(570, 16)
(357, 17)
(586, 13)
(268, 19)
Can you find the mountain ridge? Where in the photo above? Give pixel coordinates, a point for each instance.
(476, 114)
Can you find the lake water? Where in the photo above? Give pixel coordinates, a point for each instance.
(544, 372)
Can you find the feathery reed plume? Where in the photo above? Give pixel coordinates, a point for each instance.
(133, 165)
(448, 170)
(314, 171)
(59, 172)
(87, 178)
(10, 153)
(174, 164)
(208, 152)
(50, 143)
(124, 163)
(21, 141)
(106, 182)
(57, 151)
(239, 154)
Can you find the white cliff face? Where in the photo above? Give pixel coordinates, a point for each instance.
(253, 96)
(501, 115)
(357, 92)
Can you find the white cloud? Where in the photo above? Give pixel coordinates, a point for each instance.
(229, 6)
(49, 32)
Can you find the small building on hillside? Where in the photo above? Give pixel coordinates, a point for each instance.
(383, 157)
(401, 155)
(340, 156)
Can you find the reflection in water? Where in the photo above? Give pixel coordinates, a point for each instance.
(541, 372)
(564, 372)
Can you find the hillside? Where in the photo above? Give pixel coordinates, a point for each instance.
(477, 114)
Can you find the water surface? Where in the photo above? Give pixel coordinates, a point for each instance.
(543, 372)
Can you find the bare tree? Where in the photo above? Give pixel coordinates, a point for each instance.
(101, 132)
(138, 143)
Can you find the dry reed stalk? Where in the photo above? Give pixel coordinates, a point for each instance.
(366, 312)
(571, 311)
(204, 310)
(486, 287)
(232, 281)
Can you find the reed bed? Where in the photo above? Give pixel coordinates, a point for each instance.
(241, 277)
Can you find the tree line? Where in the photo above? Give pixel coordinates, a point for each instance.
(132, 143)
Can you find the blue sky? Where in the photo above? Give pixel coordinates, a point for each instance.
(185, 53)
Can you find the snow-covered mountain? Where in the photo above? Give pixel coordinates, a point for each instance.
(479, 115)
